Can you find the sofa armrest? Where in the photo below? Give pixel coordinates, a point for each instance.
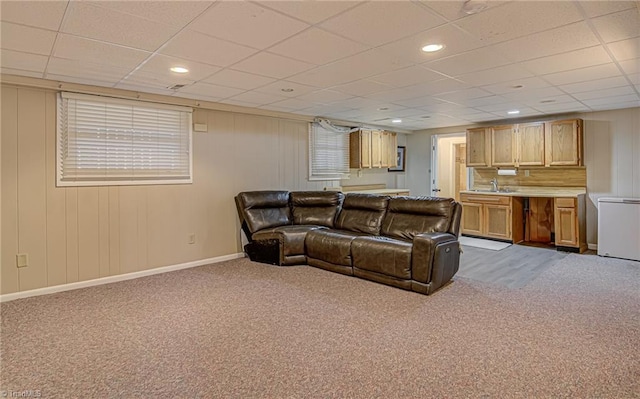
(435, 259)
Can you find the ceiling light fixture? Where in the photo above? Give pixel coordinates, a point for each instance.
(396, 121)
(287, 90)
(383, 109)
(430, 48)
(514, 112)
(474, 6)
(547, 101)
(179, 69)
(517, 86)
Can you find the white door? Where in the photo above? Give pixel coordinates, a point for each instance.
(446, 181)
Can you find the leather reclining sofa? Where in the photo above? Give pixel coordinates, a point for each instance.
(406, 242)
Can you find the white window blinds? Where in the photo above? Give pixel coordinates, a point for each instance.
(108, 141)
(328, 153)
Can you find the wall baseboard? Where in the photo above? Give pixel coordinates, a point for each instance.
(113, 279)
(593, 247)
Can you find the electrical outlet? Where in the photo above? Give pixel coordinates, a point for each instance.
(192, 238)
(22, 260)
(526, 173)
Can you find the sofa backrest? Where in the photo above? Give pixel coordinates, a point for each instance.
(362, 213)
(315, 207)
(263, 209)
(408, 216)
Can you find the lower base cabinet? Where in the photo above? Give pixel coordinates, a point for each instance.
(492, 216)
(569, 223)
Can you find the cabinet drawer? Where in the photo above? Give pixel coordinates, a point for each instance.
(565, 203)
(485, 199)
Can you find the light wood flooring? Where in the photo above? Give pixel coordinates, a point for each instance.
(513, 267)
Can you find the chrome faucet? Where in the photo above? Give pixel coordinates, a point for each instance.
(494, 184)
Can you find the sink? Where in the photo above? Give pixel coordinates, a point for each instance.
(502, 190)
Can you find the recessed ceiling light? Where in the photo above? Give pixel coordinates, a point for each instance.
(179, 69)
(514, 112)
(517, 86)
(426, 117)
(547, 101)
(396, 121)
(471, 7)
(287, 90)
(383, 109)
(430, 48)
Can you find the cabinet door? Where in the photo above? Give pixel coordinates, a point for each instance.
(566, 222)
(360, 149)
(503, 139)
(376, 146)
(478, 147)
(563, 144)
(385, 143)
(472, 215)
(530, 144)
(392, 150)
(497, 223)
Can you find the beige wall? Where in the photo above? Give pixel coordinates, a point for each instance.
(611, 156)
(77, 234)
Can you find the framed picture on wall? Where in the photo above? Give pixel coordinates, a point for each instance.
(402, 161)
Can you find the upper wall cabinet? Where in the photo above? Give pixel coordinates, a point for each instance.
(564, 143)
(555, 143)
(372, 149)
(479, 147)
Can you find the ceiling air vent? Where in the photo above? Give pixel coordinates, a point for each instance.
(176, 87)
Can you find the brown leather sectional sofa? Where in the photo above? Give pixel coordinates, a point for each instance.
(407, 242)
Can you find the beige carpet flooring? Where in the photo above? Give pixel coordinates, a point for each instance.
(240, 329)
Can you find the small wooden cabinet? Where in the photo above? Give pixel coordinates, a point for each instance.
(563, 143)
(372, 149)
(478, 147)
(492, 216)
(518, 145)
(503, 145)
(569, 225)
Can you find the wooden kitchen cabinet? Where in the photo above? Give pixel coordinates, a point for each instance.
(478, 147)
(503, 145)
(530, 139)
(563, 143)
(569, 224)
(372, 149)
(492, 216)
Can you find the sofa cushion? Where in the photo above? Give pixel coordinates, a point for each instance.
(290, 237)
(362, 213)
(331, 246)
(382, 255)
(407, 217)
(264, 209)
(315, 207)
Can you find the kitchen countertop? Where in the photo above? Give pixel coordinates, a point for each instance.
(568, 192)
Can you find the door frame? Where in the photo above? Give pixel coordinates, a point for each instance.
(433, 182)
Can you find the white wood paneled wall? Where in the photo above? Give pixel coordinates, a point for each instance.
(77, 234)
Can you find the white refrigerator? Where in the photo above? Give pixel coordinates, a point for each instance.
(619, 227)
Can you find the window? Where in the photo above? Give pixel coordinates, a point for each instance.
(328, 152)
(108, 141)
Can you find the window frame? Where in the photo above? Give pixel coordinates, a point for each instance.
(337, 174)
(61, 181)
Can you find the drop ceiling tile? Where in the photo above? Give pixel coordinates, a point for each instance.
(325, 96)
(159, 64)
(276, 88)
(619, 26)
(582, 58)
(485, 101)
(272, 65)
(418, 102)
(555, 41)
(21, 72)
(544, 101)
(84, 71)
(23, 61)
(81, 49)
(196, 46)
(630, 66)
(420, 90)
(39, 14)
(362, 87)
(317, 47)
(144, 89)
(479, 117)
(290, 104)
(177, 13)
(502, 108)
(604, 93)
(598, 8)
(246, 23)
(197, 97)
(84, 19)
(461, 96)
(496, 75)
(625, 49)
(634, 78)
(453, 9)
(310, 11)
(239, 80)
(325, 109)
(572, 106)
(155, 81)
(470, 61)
(455, 40)
(26, 39)
(257, 98)
(596, 84)
(376, 23)
(241, 103)
(209, 90)
(513, 86)
(88, 78)
(583, 74)
(517, 19)
(533, 94)
(363, 65)
(407, 76)
(597, 102)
